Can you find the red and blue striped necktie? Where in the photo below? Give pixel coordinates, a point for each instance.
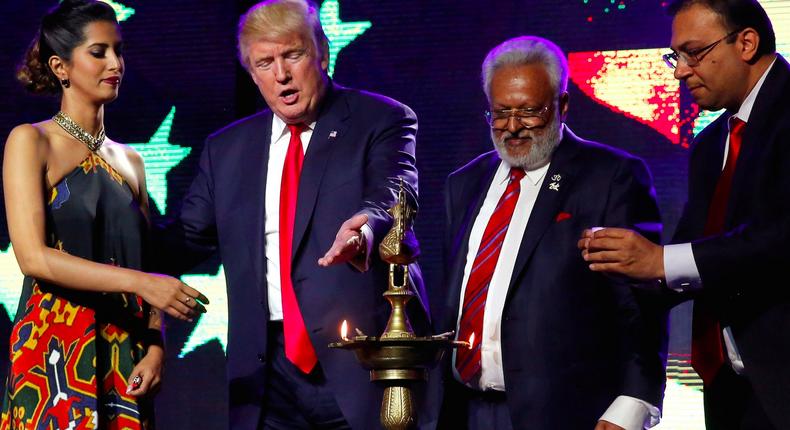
(467, 361)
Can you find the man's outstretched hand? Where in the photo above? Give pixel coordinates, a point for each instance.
(349, 242)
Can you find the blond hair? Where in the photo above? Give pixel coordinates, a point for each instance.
(275, 19)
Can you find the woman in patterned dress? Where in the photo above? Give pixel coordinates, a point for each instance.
(86, 347)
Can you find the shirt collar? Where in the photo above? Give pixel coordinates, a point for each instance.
(279, 128)
(534, 176)
(748, 103)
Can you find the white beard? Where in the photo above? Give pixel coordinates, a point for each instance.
(543, 146)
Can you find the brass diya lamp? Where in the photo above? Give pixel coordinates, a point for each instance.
(398, 357)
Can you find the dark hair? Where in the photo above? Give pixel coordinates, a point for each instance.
(737, 15)
(62, 29)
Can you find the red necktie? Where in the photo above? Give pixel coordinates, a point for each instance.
(707, 350)
(467, 361)
(298, 348)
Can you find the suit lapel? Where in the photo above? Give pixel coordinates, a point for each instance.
(705, 169)
(476, 189)
(753, 146)
(714, 162)
(256, 160)
(562, 172)
(329, 131)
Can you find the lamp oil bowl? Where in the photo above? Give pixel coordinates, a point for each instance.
(398, 358)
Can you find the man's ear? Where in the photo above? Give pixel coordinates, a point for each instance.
(325, 55)
(748, 43)
(564, 100)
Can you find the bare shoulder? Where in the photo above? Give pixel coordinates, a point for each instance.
(124, 152)
(27, 134)
(126, 161)
(29, 139)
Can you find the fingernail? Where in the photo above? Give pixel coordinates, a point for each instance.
(129, 389)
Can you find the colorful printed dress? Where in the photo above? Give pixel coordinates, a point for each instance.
(72, 351)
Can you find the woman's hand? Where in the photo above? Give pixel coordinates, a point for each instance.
(149, 371)
(171, 295)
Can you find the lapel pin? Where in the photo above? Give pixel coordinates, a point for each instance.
(555, 184)
(333, 134)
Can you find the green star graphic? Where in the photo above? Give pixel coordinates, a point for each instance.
(213, 325)
(10, 281)
(339, 33)
(160, 156)
(122, 11)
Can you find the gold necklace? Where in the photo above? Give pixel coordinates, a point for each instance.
(79, 133)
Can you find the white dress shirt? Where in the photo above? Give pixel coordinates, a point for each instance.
(492, 376)
(278, 148)
(680, 267)
(627, 412)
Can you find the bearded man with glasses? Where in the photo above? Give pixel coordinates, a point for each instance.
(730, 251)
(554, 346)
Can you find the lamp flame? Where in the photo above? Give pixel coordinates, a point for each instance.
(471, 341)
(344, 330)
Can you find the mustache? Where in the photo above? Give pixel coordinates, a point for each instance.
(521, 134)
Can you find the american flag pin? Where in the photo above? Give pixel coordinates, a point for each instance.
(333, 134)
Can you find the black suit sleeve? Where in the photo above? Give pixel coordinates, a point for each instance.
(185, 242)
(644, 334)
(390, 157)
(750, 257)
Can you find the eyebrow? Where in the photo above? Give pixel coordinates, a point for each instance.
(685, 45)
(529, 105)
(294, 49)
(521, 108)
(103, 45)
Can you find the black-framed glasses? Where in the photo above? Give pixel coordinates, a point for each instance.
(692, 58)
(528, 117)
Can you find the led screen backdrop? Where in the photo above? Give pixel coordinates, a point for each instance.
(182, 82)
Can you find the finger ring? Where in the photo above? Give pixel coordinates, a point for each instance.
(189, 299)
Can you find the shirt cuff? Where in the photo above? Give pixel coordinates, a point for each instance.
(362, 261)
(631, 413)
(680, 268)
(732, 351)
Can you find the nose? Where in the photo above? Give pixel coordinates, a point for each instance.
(115, 61)
(513, 124)
(682, 70)
(281, 72)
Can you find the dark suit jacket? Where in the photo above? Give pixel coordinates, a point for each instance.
(362, 144)
(744, 270)
(572, 340)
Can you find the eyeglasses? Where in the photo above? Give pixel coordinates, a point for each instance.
(528, 118)
(694, 57)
